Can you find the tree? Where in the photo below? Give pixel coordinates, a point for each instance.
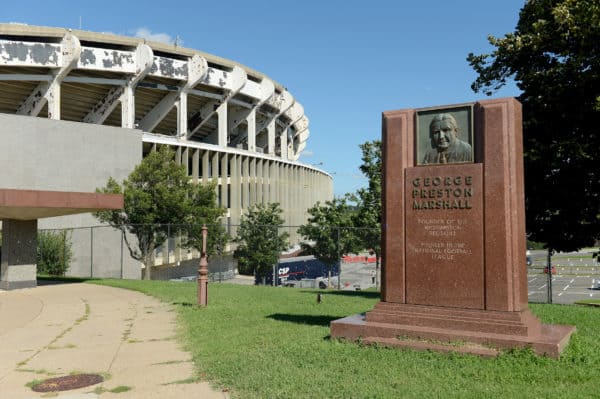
(367, 218)
(203, 200)
(259, 240)
(54, 252)
(554, 57)
(329, 232)
(157, 193)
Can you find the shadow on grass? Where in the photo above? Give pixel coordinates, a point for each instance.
(360, 294)
(186, 304)
(311, 320)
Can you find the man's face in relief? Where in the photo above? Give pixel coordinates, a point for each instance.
(443, 134)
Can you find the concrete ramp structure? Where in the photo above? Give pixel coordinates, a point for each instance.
(20, 211)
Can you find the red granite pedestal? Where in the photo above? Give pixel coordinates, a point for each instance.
(454, 276)
(444, 329)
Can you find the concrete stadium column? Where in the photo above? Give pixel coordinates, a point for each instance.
(315, 187)
(295, 184)
(178, 153)
(301, 194)
(222, 125)
(182, 118)
(214, 175)
(205, 166)
(260, 181)
(273, 182)
(128, 107)
(323, 190)
(253, 182)
(223, 175)
(307, 199)
(179, 237)
(251, 122)
(234, 191)
(184, 159)
(284, 144)
(246, 183)
(279, 183)
(196, 166)
(283, 191)
(269, 182)
(291, 184)
(53, 97)
(266, 181)
(271, 137)
(19, 246)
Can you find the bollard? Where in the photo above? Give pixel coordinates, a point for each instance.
(203, 272)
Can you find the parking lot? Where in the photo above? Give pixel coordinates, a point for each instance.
(576, 276)
(574, 280)
(566, 288)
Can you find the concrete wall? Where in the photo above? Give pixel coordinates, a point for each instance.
(44, 154)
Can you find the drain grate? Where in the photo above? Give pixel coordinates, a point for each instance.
(67, 382)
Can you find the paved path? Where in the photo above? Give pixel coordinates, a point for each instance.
(128, 337)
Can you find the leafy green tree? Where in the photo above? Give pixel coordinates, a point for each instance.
(329, 232)
(554, 57)
(259, 241)
(157, 193)
(54, 252)
(367, 218)
(202, 201)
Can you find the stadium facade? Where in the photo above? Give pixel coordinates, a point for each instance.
(77, 107)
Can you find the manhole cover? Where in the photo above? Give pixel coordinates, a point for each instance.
(67, 382)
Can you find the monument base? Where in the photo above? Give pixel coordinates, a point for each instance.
(442, 329)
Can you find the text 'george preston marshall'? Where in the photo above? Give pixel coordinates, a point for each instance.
(442, 192)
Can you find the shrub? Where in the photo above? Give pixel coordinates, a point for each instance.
(54, 252)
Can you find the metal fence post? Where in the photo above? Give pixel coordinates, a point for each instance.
(339, 260)
(91, 252)
(64, 248)
(168, 244)
(276, 258)
(549, 270)
(122, 255)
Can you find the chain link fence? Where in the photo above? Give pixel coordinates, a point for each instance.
(103, 252)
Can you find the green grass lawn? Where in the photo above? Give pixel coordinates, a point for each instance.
(264, 342)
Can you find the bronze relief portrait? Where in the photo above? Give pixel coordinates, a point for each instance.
(444, 135)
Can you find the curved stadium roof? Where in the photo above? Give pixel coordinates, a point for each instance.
(163, 89)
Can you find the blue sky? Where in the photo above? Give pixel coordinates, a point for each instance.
(345, 61)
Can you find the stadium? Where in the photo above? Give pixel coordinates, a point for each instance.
(77, 107)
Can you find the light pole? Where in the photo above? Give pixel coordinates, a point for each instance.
(203, 272)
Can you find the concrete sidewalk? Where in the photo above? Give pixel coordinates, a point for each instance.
(126, 336)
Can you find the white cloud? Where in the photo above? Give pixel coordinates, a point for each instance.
(145, 33)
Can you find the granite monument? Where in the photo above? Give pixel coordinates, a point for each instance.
(454, 236)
